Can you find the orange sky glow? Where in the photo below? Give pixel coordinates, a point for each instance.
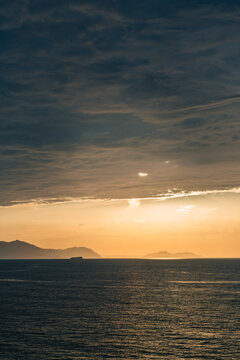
(206, 223)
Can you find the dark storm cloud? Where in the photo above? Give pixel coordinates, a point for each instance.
(94, 92)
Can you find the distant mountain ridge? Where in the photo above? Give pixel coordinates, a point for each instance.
(166, 254)
(22, 250)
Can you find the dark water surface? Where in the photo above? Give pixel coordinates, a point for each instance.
(120, 309)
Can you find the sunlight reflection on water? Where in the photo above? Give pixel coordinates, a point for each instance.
(120, 309)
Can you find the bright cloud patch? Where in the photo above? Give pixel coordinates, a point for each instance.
(133, 203)
(142, 174)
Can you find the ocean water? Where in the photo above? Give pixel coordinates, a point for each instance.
(120, 309)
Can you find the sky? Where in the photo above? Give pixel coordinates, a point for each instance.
(120, 125)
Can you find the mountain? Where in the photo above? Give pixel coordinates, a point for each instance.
(22, 250)
(167, 255)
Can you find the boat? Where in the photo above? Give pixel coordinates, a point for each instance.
(76, 258)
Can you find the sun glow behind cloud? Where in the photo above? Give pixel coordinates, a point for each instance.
(134, 203)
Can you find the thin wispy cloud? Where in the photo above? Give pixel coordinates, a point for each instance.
(185, 209)
(133, 203)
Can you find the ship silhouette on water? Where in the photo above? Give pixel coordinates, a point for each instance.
(77, 258)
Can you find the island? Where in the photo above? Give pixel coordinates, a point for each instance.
(22, 250)
(168, 255)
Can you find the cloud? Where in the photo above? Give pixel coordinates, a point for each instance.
(192, 123)
(181, 194)
(133, 203)
(92, 92)
(185, 210)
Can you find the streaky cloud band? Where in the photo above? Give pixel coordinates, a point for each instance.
(133, 202)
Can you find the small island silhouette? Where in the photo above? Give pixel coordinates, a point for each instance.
(168, 255)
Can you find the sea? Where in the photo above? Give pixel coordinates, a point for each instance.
(120, 309)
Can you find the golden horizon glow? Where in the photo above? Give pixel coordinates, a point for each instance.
(202, 222)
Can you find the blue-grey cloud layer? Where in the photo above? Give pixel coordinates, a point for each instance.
(92, 92)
